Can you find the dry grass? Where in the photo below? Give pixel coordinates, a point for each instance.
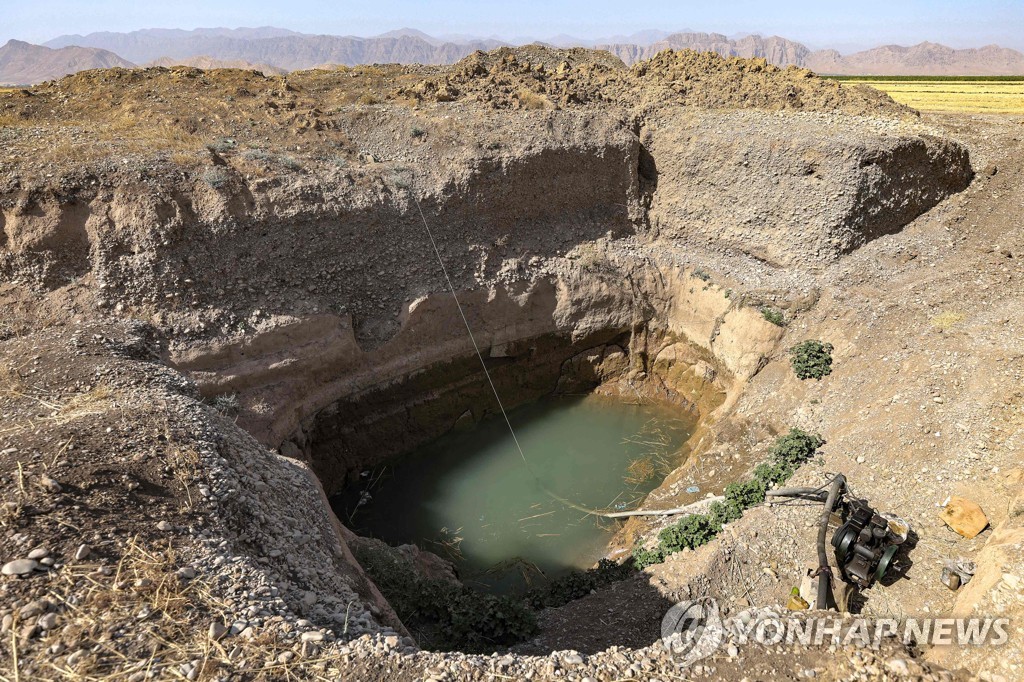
(169, 618)
(996, 97)
(95, 402)
(8, 120)
(947, 320)
(639, 471)
(528, 99)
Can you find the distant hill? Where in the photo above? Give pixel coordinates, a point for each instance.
(924, 59)
(776, 50)
(286, 50)
(280, 49)
(23, 63)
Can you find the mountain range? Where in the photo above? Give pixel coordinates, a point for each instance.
(278, 50)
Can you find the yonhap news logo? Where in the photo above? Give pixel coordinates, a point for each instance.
(693, 630)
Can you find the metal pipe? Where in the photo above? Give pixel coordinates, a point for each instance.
(824, 572)
(804, 493)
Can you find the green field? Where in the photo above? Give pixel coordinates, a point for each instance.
(967, 94)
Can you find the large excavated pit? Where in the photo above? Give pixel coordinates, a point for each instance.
(593, 249)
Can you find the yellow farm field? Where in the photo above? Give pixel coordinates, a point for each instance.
(982, 97)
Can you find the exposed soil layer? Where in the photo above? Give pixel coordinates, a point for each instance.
(625, 239)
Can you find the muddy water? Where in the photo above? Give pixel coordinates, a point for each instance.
(470, 497)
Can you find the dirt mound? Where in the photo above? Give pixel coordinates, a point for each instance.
(709, 81)
(531, 77)
(536, 77)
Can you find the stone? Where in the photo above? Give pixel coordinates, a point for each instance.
(573, 659)
(217, 631)
(47, 621)
(50, 485)
(964, 516)
(38, 553)
(164, 526)
(313, 636)
(19, 567)
(898, 666)
(186, 573)
(33, 608)
(82, 552)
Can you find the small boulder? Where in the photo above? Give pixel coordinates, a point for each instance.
(964, 516)
(19, 567)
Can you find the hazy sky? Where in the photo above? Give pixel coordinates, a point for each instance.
(821, 23)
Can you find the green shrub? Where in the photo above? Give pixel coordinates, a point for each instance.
(774, 316)
(812, 359)
(721, 513)
(222, 145)
(417, 132)
(771, 474)
(796, 447)
(787, 453)
(702, 275)
(445, 614)
(257, 155)
(689, 532)
(643, 557)
(745, 494)
(216, 177)
(576, 584)
(226, 403)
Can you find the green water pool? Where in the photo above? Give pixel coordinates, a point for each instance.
(470, 497)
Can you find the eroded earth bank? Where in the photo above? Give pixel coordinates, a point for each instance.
(220, 303)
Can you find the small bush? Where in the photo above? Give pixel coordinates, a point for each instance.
(796, 447)
(812, 359)
(367, 99)
(702, 275)
(215, 177)
(417, 132)
(448, 615)
(226, 403)
(774, 316)
(257, 155)
(771, 474)
(787, 453)
(576, 584)
(643, 557)
(721, 513)
(222, 145)
(745, 494)
(689, 532)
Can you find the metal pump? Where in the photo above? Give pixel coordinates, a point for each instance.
(864, 545)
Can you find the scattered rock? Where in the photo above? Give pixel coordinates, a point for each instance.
(82, 552)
